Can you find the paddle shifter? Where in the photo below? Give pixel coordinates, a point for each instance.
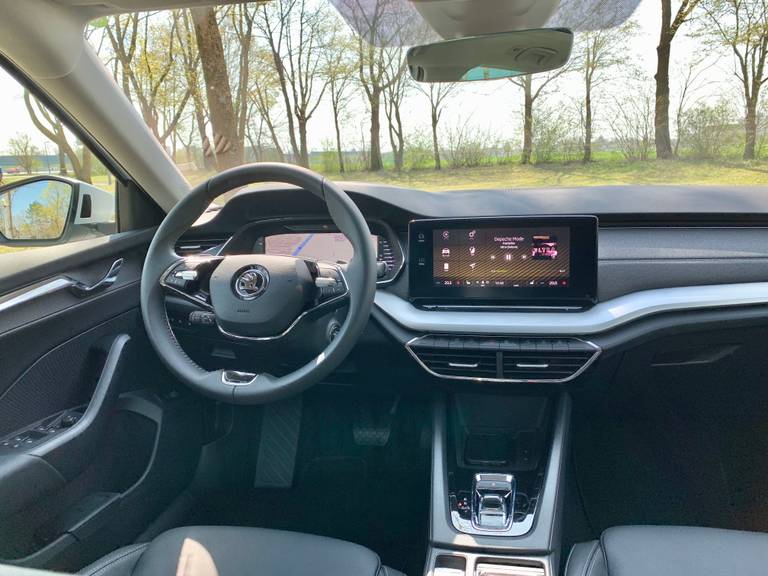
(493, 497)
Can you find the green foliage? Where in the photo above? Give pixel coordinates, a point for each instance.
(707, 130)
(418, 152)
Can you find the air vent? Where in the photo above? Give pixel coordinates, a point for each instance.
(504, 359)
(466, 364)
(191, 247)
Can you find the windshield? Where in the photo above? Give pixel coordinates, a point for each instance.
(644, 99)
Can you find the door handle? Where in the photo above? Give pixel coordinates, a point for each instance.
(82, 290)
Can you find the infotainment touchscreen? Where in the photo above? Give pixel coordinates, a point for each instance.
(516, 259)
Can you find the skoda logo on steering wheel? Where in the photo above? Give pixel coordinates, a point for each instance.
(251, 282)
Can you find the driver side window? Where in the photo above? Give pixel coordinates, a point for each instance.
(53, 190)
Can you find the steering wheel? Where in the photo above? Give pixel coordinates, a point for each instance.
(257, 296)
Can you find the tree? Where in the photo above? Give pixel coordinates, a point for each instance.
(742, 25)
(50, 126)
(190, 62)
(533, 89)
(396, 88)
(295, 32)
(226, 143)
(339, 71)
(688, 82)
(632, 121)
(669, 27)
(596, 52)
(378, 26)
(149, 73)
(265, 95)
(24, 152)
(438, 94)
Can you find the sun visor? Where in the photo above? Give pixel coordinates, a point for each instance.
(407, 23)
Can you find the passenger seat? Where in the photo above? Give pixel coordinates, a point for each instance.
(670, 551)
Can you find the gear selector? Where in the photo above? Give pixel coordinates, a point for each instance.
(493, 497)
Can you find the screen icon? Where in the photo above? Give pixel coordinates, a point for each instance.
(446, 266)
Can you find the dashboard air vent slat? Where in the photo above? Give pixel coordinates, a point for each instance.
(503, 359)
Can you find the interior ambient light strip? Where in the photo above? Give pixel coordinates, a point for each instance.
(600, 318)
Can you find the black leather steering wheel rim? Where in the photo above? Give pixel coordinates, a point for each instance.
(360, 277)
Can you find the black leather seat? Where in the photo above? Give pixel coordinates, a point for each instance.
(233, 551)
(670, 551)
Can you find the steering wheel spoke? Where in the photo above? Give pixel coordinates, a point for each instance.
(330, 284)
(190, 277)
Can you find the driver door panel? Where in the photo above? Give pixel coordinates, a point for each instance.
(92, 445)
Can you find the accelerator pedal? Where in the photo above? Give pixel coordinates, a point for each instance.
(278, 444)
(372, 425)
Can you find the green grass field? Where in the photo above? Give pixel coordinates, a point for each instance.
(598, 173)
(730, 173)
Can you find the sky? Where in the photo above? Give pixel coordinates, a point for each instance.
(493, 106)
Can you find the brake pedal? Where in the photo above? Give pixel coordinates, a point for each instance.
(372, 429)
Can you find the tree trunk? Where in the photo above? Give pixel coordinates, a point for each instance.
(435, 143)
(226, 144)
(527, 122)
(587, 124)
(86, 166)
(62, 162)
(750, 129)
(661, 119)
(338, 138)
(375, 163)
(303, 151)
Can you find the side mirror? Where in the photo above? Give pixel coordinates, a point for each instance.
(49, 210)
(36, 210)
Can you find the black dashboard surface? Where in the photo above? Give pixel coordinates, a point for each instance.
(650, 237)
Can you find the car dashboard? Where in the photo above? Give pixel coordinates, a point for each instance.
(586, 270)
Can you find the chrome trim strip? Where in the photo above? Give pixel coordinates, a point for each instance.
(587, 364)
(38, 291)
(225, 379)
(46, 288)
(602, 317)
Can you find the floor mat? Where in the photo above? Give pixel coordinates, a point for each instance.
(374, 496)
(687, 451)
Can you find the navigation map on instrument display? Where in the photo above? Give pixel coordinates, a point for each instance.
(330, 246)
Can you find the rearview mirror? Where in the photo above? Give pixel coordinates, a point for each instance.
(36, 209)
(492, 56)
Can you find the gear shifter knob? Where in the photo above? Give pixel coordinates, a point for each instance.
(493, 497)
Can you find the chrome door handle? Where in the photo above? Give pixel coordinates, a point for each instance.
(82, 290)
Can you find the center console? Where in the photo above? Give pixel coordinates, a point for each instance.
(497, 475)
(499, 439)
